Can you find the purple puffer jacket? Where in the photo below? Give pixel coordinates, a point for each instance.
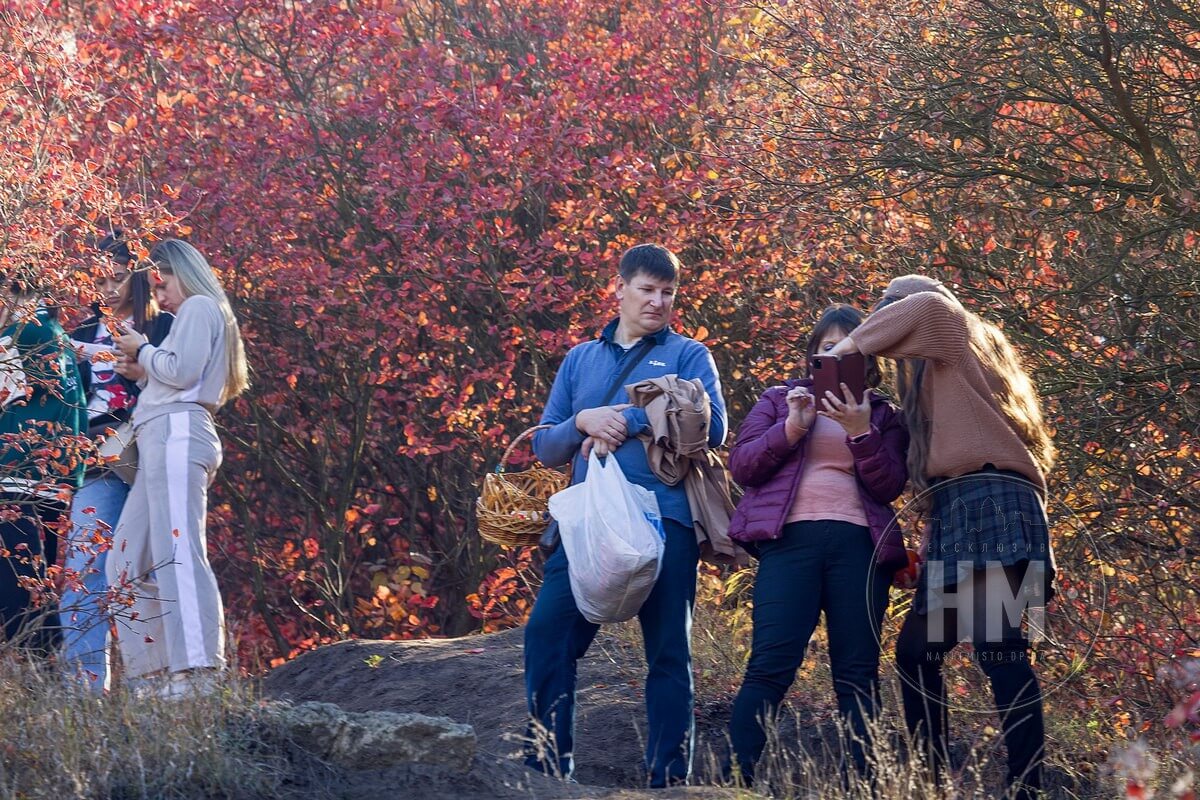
(769, 469)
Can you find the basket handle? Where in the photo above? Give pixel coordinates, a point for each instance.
(508, 452)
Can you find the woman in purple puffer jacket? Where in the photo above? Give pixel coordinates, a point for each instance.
(819, 474)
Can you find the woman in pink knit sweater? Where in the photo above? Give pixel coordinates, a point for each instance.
(978, 460)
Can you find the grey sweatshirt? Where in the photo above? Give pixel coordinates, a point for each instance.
(191, 364)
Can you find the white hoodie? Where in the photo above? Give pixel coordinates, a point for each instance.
(190, 366)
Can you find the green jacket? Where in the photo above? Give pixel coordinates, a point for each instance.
(55, 408)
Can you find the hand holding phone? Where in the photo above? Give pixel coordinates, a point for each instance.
(129, 342)
(909, 575)
(830, 372)
(841, 390)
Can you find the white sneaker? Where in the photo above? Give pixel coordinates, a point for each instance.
(145, 686)
(190, 683)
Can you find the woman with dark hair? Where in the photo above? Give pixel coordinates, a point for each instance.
(819, 474)
(40, 457)
(979, 457)
(126, 303)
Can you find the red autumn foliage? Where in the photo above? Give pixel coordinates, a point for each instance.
(419, 212)
(418, 206)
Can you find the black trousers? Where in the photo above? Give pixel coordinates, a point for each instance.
(814, 567)
(1003, 656)
(27, 547)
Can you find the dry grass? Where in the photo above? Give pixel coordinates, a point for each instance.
(803, 753)
(59, 742)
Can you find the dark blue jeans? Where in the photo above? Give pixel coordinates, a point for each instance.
(813, 567)
(557, 636)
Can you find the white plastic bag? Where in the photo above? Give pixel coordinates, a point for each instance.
(613, 534)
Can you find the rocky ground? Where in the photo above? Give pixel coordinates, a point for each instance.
(477, 680)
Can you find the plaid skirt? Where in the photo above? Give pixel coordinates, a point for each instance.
(984, 520)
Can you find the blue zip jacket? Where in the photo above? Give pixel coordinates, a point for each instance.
(582, 382)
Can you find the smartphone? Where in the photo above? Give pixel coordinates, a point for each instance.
(830, 371)
(116, 327)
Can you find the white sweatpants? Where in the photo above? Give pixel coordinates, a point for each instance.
(160, 549)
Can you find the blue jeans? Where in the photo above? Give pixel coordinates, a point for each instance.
(85, 629)
(557, 636)
(813, 567)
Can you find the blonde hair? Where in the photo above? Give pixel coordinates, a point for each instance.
(1016, 396)
(1014, 392)
(196, 277)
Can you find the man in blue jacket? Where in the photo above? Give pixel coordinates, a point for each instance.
(588, 408)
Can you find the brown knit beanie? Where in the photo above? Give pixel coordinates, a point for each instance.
(903, 286)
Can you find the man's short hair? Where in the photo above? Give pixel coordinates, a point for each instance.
(25, 283)
(114, 244)
(653, 260)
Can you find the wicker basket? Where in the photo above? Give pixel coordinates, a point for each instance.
(511, 509)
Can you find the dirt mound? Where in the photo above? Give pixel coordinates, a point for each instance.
(478, 680)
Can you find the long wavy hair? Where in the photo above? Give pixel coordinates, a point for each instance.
(1014, 392)
(177, 257)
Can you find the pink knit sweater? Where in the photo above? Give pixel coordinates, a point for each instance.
(967, 428)
(827, 485)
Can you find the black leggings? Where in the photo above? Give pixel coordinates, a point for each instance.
(26, 547)
(920, 653)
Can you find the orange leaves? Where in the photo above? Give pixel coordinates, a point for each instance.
(311, 548)
(120, 128)
(503, 598)
(416, 239)
(167, 101)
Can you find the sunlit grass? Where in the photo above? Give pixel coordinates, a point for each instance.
(59, 741)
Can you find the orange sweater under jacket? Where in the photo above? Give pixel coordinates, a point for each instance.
(967, 428)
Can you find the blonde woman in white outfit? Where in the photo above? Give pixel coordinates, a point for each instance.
(160, 545)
